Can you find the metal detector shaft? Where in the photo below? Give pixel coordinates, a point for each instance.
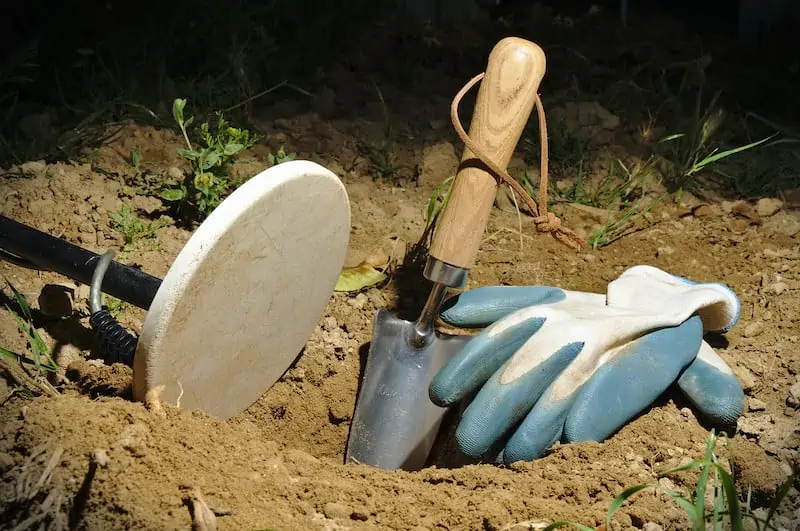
(53, 254)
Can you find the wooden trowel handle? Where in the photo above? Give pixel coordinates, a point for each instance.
(505, 100)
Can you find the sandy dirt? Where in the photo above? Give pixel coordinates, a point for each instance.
(93, 459)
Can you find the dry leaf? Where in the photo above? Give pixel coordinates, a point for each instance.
(358, 278)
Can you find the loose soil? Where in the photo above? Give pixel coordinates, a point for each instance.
(106, 462)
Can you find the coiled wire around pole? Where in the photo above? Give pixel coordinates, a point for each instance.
(116, 342)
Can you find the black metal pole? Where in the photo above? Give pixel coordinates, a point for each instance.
(126, 283)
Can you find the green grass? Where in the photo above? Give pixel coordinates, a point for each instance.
(29, 369)
(727, 511)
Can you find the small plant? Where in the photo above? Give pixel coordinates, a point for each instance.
(726, 507)
(209, 180)
(133, 229)
(436, 203)
(135, 160)
(114, 305)
(280, 157)
(383, 161)
(28, 370)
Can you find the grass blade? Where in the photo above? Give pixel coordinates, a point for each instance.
(621, 498)
(733, 499)
(559, 524)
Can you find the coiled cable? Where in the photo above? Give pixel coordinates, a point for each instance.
(117, 343)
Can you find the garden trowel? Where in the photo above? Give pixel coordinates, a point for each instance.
(395, 423)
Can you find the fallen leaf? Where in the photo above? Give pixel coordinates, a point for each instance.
(358, 278)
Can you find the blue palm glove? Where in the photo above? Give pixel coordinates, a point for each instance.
(553, 364)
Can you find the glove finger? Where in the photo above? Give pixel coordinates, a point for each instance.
(480, 307)
(637, 375)
(542, 427)
(481, 357)
(710, 385)
(498, 407)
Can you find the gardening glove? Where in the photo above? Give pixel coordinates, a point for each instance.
(553, 363)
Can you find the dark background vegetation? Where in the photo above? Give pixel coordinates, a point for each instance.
(70, 67)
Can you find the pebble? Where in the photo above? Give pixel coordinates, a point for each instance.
(739, 225)
(793, 400)
(686, 412)
(56, 300)
(336, 510)
(745, 210)
(175, 173)
(652, 526)
(768, 206)
(664, 251)
(704, 211)
(359, 301)
(754, 329)
(754, 404)
(330, 323)
(779, 287)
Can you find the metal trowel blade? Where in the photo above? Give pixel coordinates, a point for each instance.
(395, 422)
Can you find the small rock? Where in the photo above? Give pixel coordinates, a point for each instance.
(754, 329)
(745, 210)
(359, 301)
(336, 510)
(329, 323)
(704, 211)
(768, 206)
(175, 173)
(652, 526)
(664, 251)
(56, 300)
(779, 287)
(754, 404)
(754, 426)
(100, 457)
(37, 167)
(739, 226)
(338, 413)
(793, 400)
(686, 412)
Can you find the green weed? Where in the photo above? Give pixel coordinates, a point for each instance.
(280, 157)
(209, 180)
(691, 153)
(436, 204)
(382, 161)
(628, 192)
(727, 509)
(39, 361)
(132, 229)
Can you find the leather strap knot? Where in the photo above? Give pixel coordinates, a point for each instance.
(549, 222)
